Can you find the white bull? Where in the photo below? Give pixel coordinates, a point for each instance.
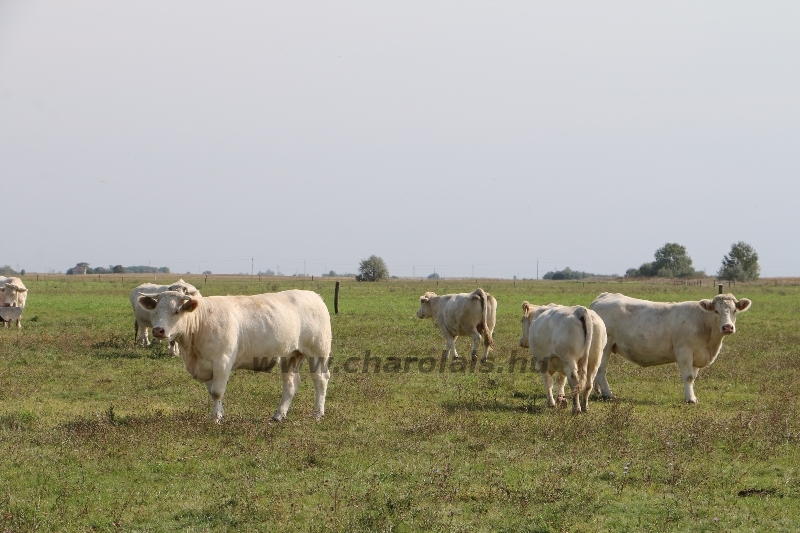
(565, 341)
(655, 333)
(470, 314)
(219, 334)
(142, 315)
(14, 294)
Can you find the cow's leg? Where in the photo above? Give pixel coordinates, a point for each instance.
(174, 349)
(575, 384)
(320, 374)
(216, 386)
(547, 380)
(451, 342)
(476, 342)
(142, 339)
(600, 382)
(290, 380)
(685, 358)
(561, 381)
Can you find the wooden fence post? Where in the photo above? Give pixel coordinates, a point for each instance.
(336, 299)
(720, 288)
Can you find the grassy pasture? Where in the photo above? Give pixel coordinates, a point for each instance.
(96, 434)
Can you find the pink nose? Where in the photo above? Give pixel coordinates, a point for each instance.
(727, 328)
(158, 332)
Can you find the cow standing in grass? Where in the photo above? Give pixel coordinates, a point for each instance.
(566, 342)
(14, 294)
(655, 333)
(142, 315)
(219, 334)
(470, 314)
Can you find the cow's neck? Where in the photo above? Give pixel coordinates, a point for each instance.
(714, 337)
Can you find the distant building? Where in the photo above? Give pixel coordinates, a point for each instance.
(79, 269)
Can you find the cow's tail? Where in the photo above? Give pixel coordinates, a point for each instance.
(585, 318)
(479, 294)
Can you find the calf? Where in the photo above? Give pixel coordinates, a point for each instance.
(567, 342)
(462, 314)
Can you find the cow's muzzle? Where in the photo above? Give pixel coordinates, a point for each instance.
(728, 329)
(159, 333)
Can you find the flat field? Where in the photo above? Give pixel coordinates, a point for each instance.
(96, 434)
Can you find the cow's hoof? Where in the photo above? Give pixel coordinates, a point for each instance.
(474, 357)
(277, 417)
(317, 415)
(485, 360)
(692, 401)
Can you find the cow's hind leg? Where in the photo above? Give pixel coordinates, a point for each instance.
(290, 380)
(320, 374)
(476, 342)
(561, 382)
(547, 381)
(575, 384)
(601, 383)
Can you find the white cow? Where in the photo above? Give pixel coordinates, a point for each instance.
(14, 294)
(565, 341)
(655, 333)
(462, 314)
(142, 315)
(219, 334)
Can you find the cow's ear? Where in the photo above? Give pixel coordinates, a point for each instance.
(743, 304)
(25, 289)
(525, 307)
(147, 302)
(424, 299)
(708, 305)
(190, 306)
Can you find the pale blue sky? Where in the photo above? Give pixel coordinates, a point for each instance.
(461, 136)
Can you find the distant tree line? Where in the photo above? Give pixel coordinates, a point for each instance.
(117, 269)
(568, 273)
(672, 261)
(7, 271)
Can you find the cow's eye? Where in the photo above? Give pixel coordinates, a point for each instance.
(177, 311)
(716, 311)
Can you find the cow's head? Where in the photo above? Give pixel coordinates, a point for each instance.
(11, 293)
(185, 288)
(425, 309)
(527, 318)
(167, 310)
(722, 311)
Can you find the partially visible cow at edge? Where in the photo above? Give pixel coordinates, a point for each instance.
(565, 341)
(655, 333)
(219, 334)
(142, 315)
(14, 294)
(470, 314)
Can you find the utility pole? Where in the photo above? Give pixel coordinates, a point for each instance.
(537, 268)
(251, 265)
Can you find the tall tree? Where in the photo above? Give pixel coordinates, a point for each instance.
(372, 269)
(741, 264)
(672, 260)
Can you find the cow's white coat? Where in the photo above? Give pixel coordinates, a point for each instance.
(219, 334)
(655, 333)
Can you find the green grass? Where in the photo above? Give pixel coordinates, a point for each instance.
(96, 434)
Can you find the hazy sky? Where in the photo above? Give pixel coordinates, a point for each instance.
(461, 136)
